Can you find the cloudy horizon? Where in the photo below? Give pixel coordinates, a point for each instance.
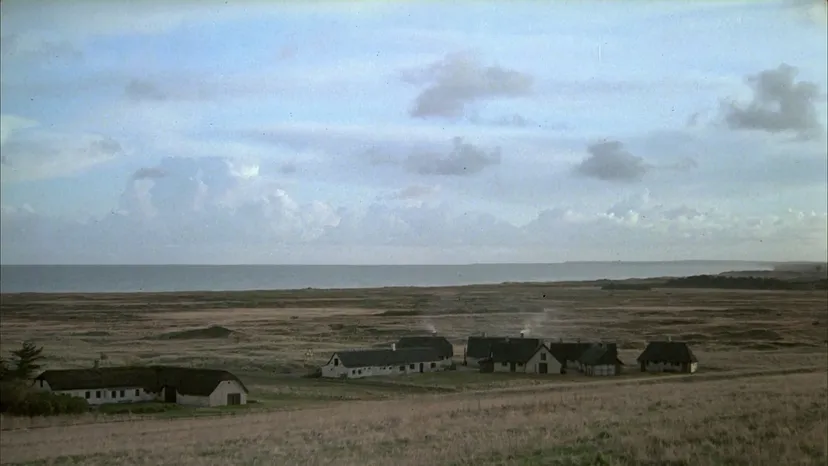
(257, 132)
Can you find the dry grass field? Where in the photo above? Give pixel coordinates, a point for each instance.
(738, 409)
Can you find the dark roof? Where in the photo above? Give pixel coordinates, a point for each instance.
(481, 347)
(668, 351)
(443, 347)
(187, 381)
(600, 354)
(568, 351)
(515, 350)
(387, 357)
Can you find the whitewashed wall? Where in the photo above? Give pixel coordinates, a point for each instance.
(533, 366)
(332, 370)
(219, 395)
(668, 367)
(104, 395)
(600, 370)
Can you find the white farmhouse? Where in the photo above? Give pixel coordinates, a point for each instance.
(182, 385)
(526, 355)
(393, 361)
(668, 356)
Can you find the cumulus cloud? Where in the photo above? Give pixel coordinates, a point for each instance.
(464, 159)
(609, 161)
(779, 104)
(275, 228)
(460, 79)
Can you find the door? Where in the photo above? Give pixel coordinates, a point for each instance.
(543, 368)
(170, 394)
(511, 367)
(421, 367)
(234, 399)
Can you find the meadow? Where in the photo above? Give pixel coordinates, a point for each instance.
(759, 396)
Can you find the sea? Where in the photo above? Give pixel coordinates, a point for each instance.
(168, 278)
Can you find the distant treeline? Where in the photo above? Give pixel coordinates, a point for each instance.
(743, 283)
(627, 286)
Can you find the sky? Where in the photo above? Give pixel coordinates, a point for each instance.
(252, 132)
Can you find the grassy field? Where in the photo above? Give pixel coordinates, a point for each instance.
(738, 410)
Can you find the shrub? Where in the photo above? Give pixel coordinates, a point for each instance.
(19, 400)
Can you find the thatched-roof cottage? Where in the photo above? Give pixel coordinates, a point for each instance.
(480, 347)
(668, 356)
(182, 385)
(569, 354)
(527, 355)
(392, 361)
(601, 359)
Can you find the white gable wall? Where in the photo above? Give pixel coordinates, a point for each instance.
(543, 356)
(226, 387)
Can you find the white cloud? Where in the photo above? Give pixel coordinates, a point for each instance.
(265, 218)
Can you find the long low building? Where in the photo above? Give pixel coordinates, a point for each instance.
(392, 361)
(181, 385)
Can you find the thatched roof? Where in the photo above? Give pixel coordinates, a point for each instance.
(600, 354)
(387, 357)
(668, 351)
(481, 347)
(518, 350)
(568, 351)
(443, 347)
(187, 381)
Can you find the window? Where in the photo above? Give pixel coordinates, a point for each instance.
(503, 364)
(411, 366)
(353, 371)
(520, 364)
(402, 368)
(336, 362)
(137, 392)
(359, 372)
(114, 394)
(543, 356)
(122, 394)
(433, 365)
(87, 395)
(97, 393)
(234, 399)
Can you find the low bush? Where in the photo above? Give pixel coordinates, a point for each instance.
(19, 400)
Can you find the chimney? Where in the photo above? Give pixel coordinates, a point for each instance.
(393, 347)
(522, 333)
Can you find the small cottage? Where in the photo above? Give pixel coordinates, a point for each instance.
(181, 385)
(440, 344)
(480, 347)
(526, 355)
(569, 354)
(668, 356)
(600, 359)
(372, 362)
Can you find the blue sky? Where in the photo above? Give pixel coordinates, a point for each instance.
(403, 132)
